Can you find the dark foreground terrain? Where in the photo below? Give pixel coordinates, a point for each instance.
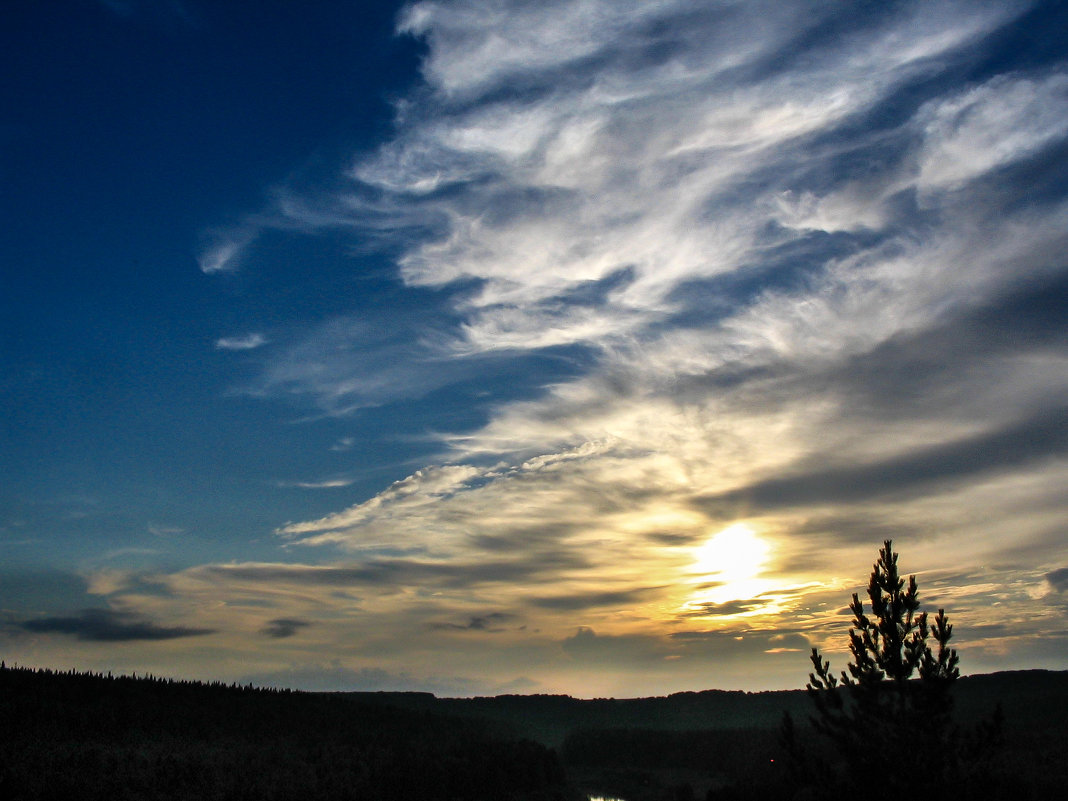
(84, 736)
(71, 736)
(727, 744)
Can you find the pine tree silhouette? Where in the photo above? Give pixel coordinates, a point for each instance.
(892, 708)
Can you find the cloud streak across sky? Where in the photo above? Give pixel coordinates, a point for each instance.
(806, 271)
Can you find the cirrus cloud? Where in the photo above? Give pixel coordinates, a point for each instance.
(805, 265)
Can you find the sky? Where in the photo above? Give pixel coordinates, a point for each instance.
(498, 346)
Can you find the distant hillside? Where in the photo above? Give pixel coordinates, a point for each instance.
(1030, 699)
(549, 718)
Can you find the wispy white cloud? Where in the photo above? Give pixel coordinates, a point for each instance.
(419, 489)
(246, 342)
(349, 363)
(1004, 120)
(329, 483)
(579, 181)
(224, 249)
(157, 530)
(557, 189)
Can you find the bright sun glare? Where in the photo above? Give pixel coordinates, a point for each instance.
(731, 560)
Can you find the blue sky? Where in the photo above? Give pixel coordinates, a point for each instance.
(498, 346)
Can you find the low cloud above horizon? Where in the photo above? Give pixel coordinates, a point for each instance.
(677, 312)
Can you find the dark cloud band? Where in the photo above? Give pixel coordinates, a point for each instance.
(104, 625)
(924, 472)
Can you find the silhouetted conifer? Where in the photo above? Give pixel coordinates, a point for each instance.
(890, 711)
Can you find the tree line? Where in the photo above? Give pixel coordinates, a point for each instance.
(75, 736)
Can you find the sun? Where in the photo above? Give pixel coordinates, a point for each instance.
(735, 553)
(731, 562)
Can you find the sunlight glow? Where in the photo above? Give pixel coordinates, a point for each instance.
(734, 554)
(731, 562)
